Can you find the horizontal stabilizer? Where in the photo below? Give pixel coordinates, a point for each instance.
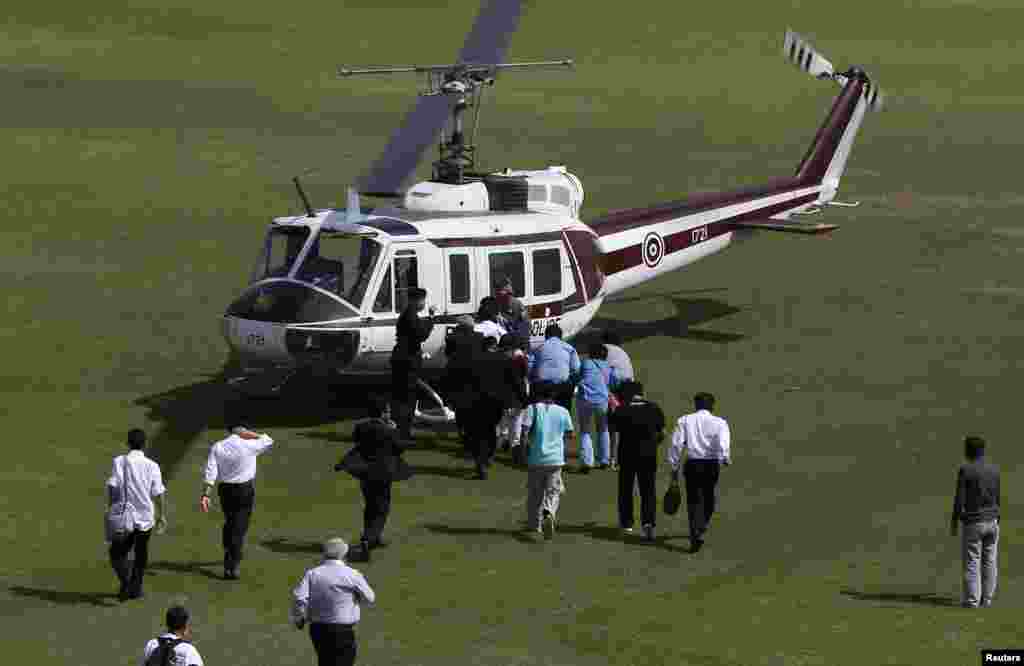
(788, 227)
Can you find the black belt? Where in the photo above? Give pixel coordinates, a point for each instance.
(240, 484)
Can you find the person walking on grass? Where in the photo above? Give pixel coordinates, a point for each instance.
(546, 426)
(705, 440)
(174, 647)
(641, 423)
(976, 508)
(328, 599)
(232, 462)
(137, 482)
(597, 378)
(620, 362)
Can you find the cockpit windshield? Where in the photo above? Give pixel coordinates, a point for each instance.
(341, 264)
(280, 251)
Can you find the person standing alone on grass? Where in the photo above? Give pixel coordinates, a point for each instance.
(976, 506)
(641, 424)
(705, 439)
(545, 428)
(596, 380)
(328, 599)
(232, 461)
(620, 362)
(136, 480)
(173, 648)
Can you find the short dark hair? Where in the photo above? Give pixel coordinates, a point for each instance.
(489, 308)
(177, 618)
(136, 438)
(610, 337)
(597, 350)
(974, 447)
(704, 400)
(553, 331)
(542, 391)
(629, 389)
(377, 405)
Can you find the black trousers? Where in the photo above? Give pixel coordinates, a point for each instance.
(335, 644)
(701, 477)
(482, 428)
(377, 498)
(130, 575)
(633, 471)
(404, 376)
(237, 501)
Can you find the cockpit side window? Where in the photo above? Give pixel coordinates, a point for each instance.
(406, 278)
(383, 301)
(280, 250)
(341, 264)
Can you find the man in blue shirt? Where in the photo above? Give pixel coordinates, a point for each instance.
(555, 362)
(545, 427)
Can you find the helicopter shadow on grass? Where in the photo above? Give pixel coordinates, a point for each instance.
(187, 411)
(690, 312)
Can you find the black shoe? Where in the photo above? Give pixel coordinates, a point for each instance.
(232, 574)
(585, 469)
(696, 545)
(136, 594)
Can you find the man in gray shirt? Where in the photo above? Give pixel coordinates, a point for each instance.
(976, 505)
(328, 598)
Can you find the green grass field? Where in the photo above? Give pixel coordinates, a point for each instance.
(145, 149)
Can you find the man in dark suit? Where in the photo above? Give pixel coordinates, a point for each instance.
(641, 426)
(407, 359)
(496, 387)
(976, 506)
(460, 348)
(376, 461)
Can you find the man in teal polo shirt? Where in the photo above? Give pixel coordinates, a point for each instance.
(545, 427)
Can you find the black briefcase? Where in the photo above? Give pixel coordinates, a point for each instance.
(673, 499)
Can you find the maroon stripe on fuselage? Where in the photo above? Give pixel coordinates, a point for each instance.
(625, 220)
(632, 255)
(490, 241)
(823, 148)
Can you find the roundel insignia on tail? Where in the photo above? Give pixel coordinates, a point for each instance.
(653, 249)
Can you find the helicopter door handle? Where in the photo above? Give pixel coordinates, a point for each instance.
(367, 318)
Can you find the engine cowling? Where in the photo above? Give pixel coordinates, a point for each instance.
(552, 190)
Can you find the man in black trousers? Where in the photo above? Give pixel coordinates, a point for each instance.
(705, 438)
(497, 386)
(460, 348)
(376, 461)
(641, 427)
(407, 359)
(232, 462)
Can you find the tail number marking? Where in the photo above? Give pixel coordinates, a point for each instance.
(254, 340)
(698, 234)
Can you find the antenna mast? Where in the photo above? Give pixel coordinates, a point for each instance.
(463, 84)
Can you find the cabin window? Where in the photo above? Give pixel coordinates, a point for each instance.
(383, 301)
(406, 278)
(560, 195)
(538, 193)
(508, 266)
(458, 275)
(547, 272)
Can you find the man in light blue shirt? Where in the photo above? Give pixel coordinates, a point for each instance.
(545, 427)
(555, 362)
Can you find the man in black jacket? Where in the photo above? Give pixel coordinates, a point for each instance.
(376, 460)
(641, 427)
(976, 505)
(407, 359)
(461, 347)
(496, 387)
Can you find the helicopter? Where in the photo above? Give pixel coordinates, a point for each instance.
(330, 284)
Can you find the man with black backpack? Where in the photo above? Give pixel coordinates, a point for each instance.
(173, 648)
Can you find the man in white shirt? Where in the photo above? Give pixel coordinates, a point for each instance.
(137, 478)
(232, 461)
(328, 598)
(705, 438)
(175, 641)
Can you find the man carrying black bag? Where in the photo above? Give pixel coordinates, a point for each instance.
(376, 460)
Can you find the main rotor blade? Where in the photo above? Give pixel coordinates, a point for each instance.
(487, 42)
(492, 32)
(403, 152)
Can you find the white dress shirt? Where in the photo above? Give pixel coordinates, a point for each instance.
(490, 329)
(331, 594)
(233, 460)
(185, 654)
(144, 483)
(618, 359)
(703, 435)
